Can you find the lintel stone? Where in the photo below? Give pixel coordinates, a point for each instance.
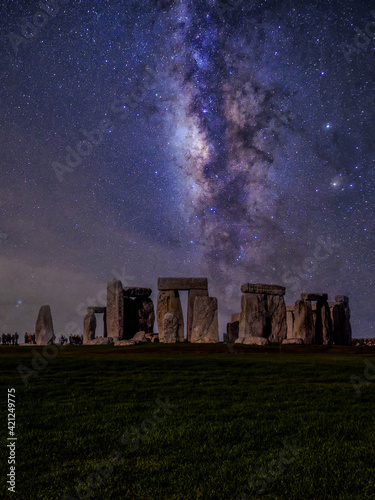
(314, 296)
(135, 291)
(263, 289)
(182, 284)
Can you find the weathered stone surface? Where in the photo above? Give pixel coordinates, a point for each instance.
(323, 323)
(226, 336)
(239, 340)
(233, 330)
(169, 333)
(342, 298)
(100, 341)
(126, 342)
(261, 288)
(96, 310)
(115, 309)
(153, 337)
(190, 313)
(140, 337)
(276, 316)
(44, 333)
(89, 327)
(235, 317)
(292, 341)
(253, 316)
(255, 341)
(205, 328)
(169, 301)
(314, 296)
(303, 321)
(146, 314)
(182, 283)
(135, 291)
(290, 322)
(290, 308)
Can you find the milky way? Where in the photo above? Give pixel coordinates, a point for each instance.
(238, 145)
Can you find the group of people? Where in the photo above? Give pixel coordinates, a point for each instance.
(9, 338)
(30, 338)
(73, 339)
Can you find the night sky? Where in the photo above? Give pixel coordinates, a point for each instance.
(233, 140)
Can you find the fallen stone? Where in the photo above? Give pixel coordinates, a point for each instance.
(100, 341)
(140, 337)
(44, 333)
(255, 341)
(153, 337)
(126, 342)
(314, 296)
(253, 316)
(133, 291)
(265, 289)
(193, 293)
(169, 301)
(277, 318)
(89, 327)
(182, 283)
(170, 329)
(205, 328)
(292, 341)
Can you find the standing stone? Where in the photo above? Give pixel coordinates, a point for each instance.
(44, 333)
(115, 309)
(290, 321)
(89, 327)
(233, 327)
(146, 315)
(170, 329)
(303, 321)
(205, 328)
(276, 312)
(193, 293)
(342, 330)
(169, 301)
(323, 324)
(253, 316)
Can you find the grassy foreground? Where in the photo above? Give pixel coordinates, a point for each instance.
(149, 423)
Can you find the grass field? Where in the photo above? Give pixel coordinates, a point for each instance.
(191, 422)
